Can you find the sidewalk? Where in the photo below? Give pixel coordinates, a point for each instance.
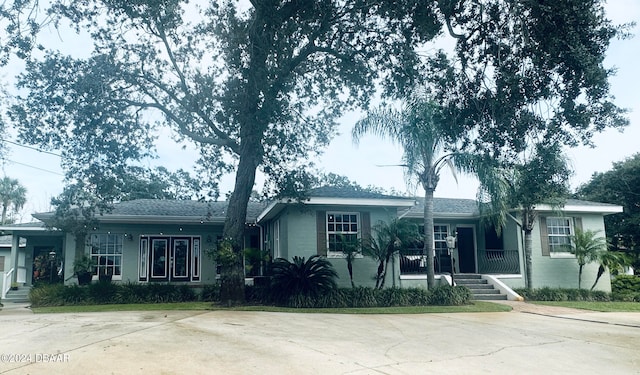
(628, 319)
(13, 308)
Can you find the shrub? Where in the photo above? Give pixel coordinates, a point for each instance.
(309, 278)
(447, 295)
(338, 298)
(47, 295)
(393, 297)
(360, 297)
(561, 294)
(74, 295)
(210, 293)
(132, 293)
(102, 292)
(626, 284)
(418, 296)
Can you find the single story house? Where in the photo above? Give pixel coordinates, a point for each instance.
(172, 241)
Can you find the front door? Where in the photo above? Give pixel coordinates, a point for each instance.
(466, 250)
(170, 259)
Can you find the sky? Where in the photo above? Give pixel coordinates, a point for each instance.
(41, 174)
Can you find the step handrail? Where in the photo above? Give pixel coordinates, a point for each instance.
(6, 283)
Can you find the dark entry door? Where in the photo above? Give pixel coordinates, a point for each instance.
(466, 250)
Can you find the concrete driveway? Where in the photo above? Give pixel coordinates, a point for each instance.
(530, 339)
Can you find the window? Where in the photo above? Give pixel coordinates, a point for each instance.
(440, 233)
(106, 253)
(559, 230)
(342, 231)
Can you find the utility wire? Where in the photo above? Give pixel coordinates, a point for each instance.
(34, 167)
(31, 148)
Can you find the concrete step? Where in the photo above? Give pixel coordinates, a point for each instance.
(18, 296)
(478, 286)
(485, 291)
(489, 297)
(469, 282)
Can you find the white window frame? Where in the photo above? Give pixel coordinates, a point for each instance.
(276, 239)
(550, 235)
(113, 249)
(331, 230)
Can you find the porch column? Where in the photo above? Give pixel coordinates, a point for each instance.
(13, 259)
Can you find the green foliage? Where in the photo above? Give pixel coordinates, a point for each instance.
(446, 295)
(47, 295)
(587, 248)
(619, 186)
(361, 297)
(626, 288)
(562, 294)
(112, 293)
(210, 293)
(83, 264)
(12, 196)
(301, 277)
(393, 297)
(102, 292)
(389, 237)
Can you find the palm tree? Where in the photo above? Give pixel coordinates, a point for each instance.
(586, 247)
(612, 260)
(389, 238)
(518, 187)
(12, 194)
(426, 150)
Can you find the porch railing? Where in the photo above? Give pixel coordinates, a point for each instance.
(6, 282)
(414, 262)
(498, 261)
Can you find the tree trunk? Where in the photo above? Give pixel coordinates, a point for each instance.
(232, 272)
(4, 214)
(380, 274)
(600, 272)
(528, 244)
(350, 268)
(580, 276)
(428, 236)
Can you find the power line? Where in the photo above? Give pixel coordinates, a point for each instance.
(34, 167)
(31, 148)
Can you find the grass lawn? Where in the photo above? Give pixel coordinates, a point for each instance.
(475, 307)
(595, 306)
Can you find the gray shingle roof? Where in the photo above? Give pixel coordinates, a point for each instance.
(173, 208)
(446, 207)
(347, 192)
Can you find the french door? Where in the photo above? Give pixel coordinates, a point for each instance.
(169, 258)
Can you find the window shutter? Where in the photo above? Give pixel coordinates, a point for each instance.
(577, 223)
(544, 236)
(366, 226)
(321, 229)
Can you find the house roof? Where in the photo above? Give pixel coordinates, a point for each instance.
(444, 208)
(347, 192)
(337, 196)
(173, 211)
(576, 205)
(168, 211)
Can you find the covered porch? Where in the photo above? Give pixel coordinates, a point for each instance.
(33, 253)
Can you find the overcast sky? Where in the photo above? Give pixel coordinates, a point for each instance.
(41, 174)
